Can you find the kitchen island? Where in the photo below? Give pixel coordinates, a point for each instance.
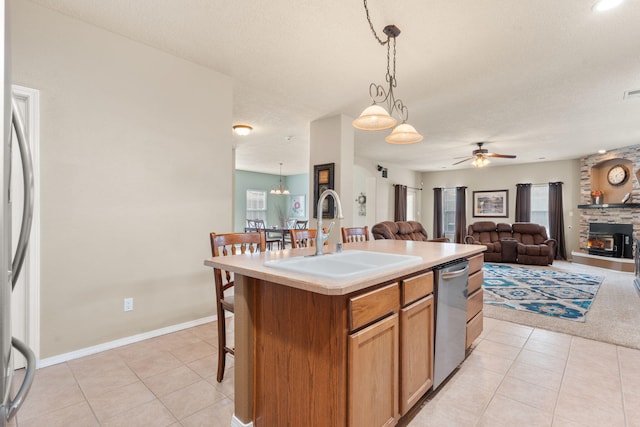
(321, 351)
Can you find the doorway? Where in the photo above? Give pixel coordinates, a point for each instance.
(25, 300)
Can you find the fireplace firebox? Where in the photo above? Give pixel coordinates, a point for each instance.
(611, 240)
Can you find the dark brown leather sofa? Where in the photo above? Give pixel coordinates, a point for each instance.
(522, 242)
(402, 230)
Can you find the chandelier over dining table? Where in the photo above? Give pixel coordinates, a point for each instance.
(376, 116)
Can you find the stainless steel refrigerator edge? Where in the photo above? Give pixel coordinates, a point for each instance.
(10, 266)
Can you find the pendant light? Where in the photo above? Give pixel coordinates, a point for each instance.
(280, 189)
(376, 116)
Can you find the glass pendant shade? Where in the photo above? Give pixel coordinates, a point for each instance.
(279, 190)
(404, 134)
(374, 117)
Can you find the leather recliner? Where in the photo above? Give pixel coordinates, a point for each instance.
(402, 230)
(522, 242)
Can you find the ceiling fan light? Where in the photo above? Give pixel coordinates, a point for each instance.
(374, 117)
(404, 134)
(480, 162)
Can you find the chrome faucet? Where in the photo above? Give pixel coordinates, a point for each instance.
(321, 236)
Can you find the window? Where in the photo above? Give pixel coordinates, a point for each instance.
(540, 205)
(412, 204)
(256, 205)
(449, 213)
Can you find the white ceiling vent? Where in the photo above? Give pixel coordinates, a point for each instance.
(632, 94)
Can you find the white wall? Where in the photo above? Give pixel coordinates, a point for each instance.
(506, 177)
(332, 141)
(381, 202)
(136, 171)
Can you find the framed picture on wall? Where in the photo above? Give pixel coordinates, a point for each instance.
(298, 209)
(493, 204)
(323, 176)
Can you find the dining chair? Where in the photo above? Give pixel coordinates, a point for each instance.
(355, 234)
(269, 240)
(226, 245)
(251, 224)
(302, 238)
(301, 224)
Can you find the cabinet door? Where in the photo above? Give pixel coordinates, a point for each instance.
(416, 352)
(373, 375)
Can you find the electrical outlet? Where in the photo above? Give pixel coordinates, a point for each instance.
(128, 304)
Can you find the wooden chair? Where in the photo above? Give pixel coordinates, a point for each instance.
(260, 226)
(226, 245)
(355, 234)
(303, 238)
(301, 224)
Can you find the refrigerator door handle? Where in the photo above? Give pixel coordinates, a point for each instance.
(28, 354)
(27, 207)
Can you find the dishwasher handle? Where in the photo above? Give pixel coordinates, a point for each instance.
(454, 274)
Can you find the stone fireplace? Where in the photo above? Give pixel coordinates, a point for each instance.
(611, 210)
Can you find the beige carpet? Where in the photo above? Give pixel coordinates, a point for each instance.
(614, 316)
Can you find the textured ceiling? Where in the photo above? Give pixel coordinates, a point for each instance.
(541, 79)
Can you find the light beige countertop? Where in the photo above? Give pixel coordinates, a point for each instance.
(432, 254)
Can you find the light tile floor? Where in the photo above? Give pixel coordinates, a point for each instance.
(515, 376)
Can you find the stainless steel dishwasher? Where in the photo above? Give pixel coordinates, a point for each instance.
(451, 317)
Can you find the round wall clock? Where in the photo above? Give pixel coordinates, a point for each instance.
(617, 175)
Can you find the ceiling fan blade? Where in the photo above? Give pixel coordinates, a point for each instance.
(462, 161)
(503, 156)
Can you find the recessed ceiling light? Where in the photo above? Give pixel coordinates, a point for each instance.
(603, 5)
(602, 151)
(242, 130)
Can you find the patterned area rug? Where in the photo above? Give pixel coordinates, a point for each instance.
(552, 293)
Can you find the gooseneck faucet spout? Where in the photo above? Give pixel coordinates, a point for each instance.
(321, 236)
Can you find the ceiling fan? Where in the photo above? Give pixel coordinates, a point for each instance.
(480, 156)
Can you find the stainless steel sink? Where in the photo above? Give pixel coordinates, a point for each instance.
(349, 264)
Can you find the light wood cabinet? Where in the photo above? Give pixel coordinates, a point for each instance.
(474, 299)
(416, 352)
(373, 374)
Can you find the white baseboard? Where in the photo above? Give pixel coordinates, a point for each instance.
(235, 422)
(61, 358)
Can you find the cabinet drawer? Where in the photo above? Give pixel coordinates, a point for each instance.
(474, 304)
(417, 287)
(475, 263)
(474, 329)
(475, 282)
(365, 308)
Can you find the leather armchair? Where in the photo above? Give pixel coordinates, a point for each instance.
(485, 233)
(534, 247)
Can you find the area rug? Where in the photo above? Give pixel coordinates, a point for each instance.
(552, 293)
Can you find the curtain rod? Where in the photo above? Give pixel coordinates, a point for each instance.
(540, 183)
(413, 188)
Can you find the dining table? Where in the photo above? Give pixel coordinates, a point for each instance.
(274, 233)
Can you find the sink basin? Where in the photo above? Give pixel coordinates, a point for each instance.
(344, 265)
